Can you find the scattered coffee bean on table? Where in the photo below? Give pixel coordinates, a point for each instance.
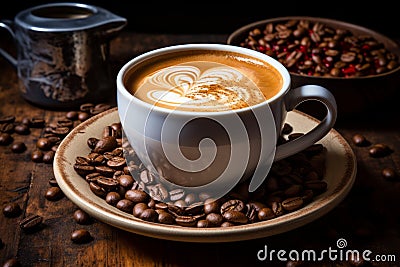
(18, 147)
(31, 223)
(360, 140)
(389, 174)
(54, 193)
(82, 217)
(291, 185)
(12, 209)
(81, 236)
(379, 150)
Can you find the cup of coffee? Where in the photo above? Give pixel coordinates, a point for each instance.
(204, 117)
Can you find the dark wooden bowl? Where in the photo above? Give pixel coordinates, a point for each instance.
(354, 95)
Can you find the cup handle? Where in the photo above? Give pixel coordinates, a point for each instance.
(293, 99)
(7, 24)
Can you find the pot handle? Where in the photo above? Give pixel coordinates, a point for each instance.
(293, 99)
(8, 25)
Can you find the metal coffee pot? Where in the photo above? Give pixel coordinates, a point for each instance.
(63, 53)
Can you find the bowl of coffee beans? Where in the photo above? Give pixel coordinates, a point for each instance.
(358, 65)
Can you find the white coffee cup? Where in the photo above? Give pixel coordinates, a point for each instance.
(184, 149)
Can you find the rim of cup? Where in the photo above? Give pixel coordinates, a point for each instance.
(200, 46)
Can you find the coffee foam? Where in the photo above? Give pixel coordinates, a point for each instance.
(200, 86)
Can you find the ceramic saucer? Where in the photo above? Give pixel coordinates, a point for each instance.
(340, 175)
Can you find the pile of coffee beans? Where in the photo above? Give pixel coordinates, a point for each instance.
(52, 132)
(317, 49)
(291, 184)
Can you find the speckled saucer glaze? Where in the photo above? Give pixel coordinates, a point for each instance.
(340, 174)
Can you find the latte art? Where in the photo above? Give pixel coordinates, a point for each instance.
(203, 81)
(201, 85)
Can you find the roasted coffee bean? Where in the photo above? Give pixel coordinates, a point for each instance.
(37, 156)
(37, 122)
(188, 221)
(105, 144)
(83, 170)
(161, 206)
(86, 107)
(389, 174)
(227, 224)
(139, 208)
(112, 198)
(96, 158)
(7, 127)
(107, 183)
(54, 139)
(31, 223)
(83, 116)
(277, 208)
(99, 108)
(125, 180)
(48, 156)
(12, 209)
(65, 123)
(12, 262)
(81, 236)
(18, 147)
(149, 215)
(136, 195)
(22, 129)
(379, 150)
(97, 190)
(233, 204)
(203, 223)
(105, 170)
(72, 115)
(91, 142)
(125, 205)
(7, 119)
(292, 203)
(54, 193)
(116, 162)
(235, 216)
(265, 213)
(215, 219)
(164, 217)
(43, 143)
(360, 140)
(5, 139)
(82, 217)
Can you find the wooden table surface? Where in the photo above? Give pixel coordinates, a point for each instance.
(368, 218)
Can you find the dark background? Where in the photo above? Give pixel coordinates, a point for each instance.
(225, 17)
